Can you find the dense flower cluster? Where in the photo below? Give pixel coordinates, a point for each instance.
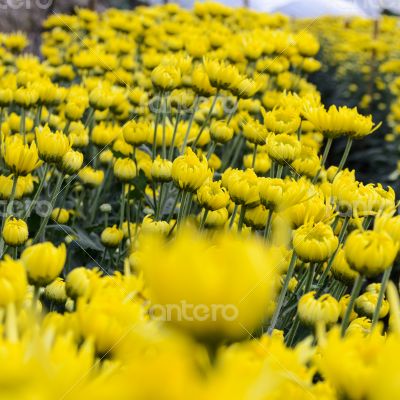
(170, 222)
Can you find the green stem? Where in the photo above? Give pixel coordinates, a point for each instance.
(206, 121)
(324, 158)
(341, 237)
(122, 209)
(37, 193)
(268, 226)
(345, 154)
(211, 150)
(203, 219)
(384, 282)
(279, 171)
(283, 292)
(52, 202)
(354, 294)
(154, 149)
(185, 139)
(241, 217)
(233, 216)
(253, 163)
(171, 149)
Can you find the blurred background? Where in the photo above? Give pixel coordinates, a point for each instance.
(27, 15)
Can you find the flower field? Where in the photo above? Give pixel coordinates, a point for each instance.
(174, 223)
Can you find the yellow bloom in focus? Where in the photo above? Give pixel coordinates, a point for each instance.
(370, 252)
(166, 77)
(222, 294)
(215, 219)
(124, 169)
(359, 326)
(366, 303)
(212, 196)
(15, 231)
(71, 162)
(149, 225)
(51, 146)
(55, 291)
(189, 172)
(111, 236)
(324, 309)
(43, 262)
(221, 75)
(314, 242)
(243, 187)
(13, 282)
(20, 158)
(161, 170)
(283, 148)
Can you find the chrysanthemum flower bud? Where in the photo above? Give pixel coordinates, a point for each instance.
(15, 231)
(314, 242)
(369, 252)
(221, 132)
(358, 326)
(166, 77)
(136, 133)
(55, 291)
(106, 208)
(365, 305)
(71, 162)
(341, 269)
(124, 169)
(215, 219)
(52, 146)
(91, 177)
(283, 148)
(189, 172)
(111, 236)
(212, 196)
(44, 262)
(324, 309)
(60, 215)
(20, 158)
(79, 281)
(161, 170)
(149, 225)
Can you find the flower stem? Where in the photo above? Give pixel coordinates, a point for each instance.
(283, 292)
(324, 158)
(354, 294)
(384, 282)
(241, 218)
(345, 154)
(53, 198)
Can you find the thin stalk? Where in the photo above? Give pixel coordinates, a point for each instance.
(268, 226)
(203, 219)
(241, 217)
(345, 154)
(53, 198)
(171, 149)
(206, 121)
(122, 209)
(37, 193)
(354, 294)
(341, 237)
(191, 119)
(253, 163)
(384, 282)
(233, 216)
(154, 149)
(283, 292)
(279, 171)
(324, 158)
(211, 149)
